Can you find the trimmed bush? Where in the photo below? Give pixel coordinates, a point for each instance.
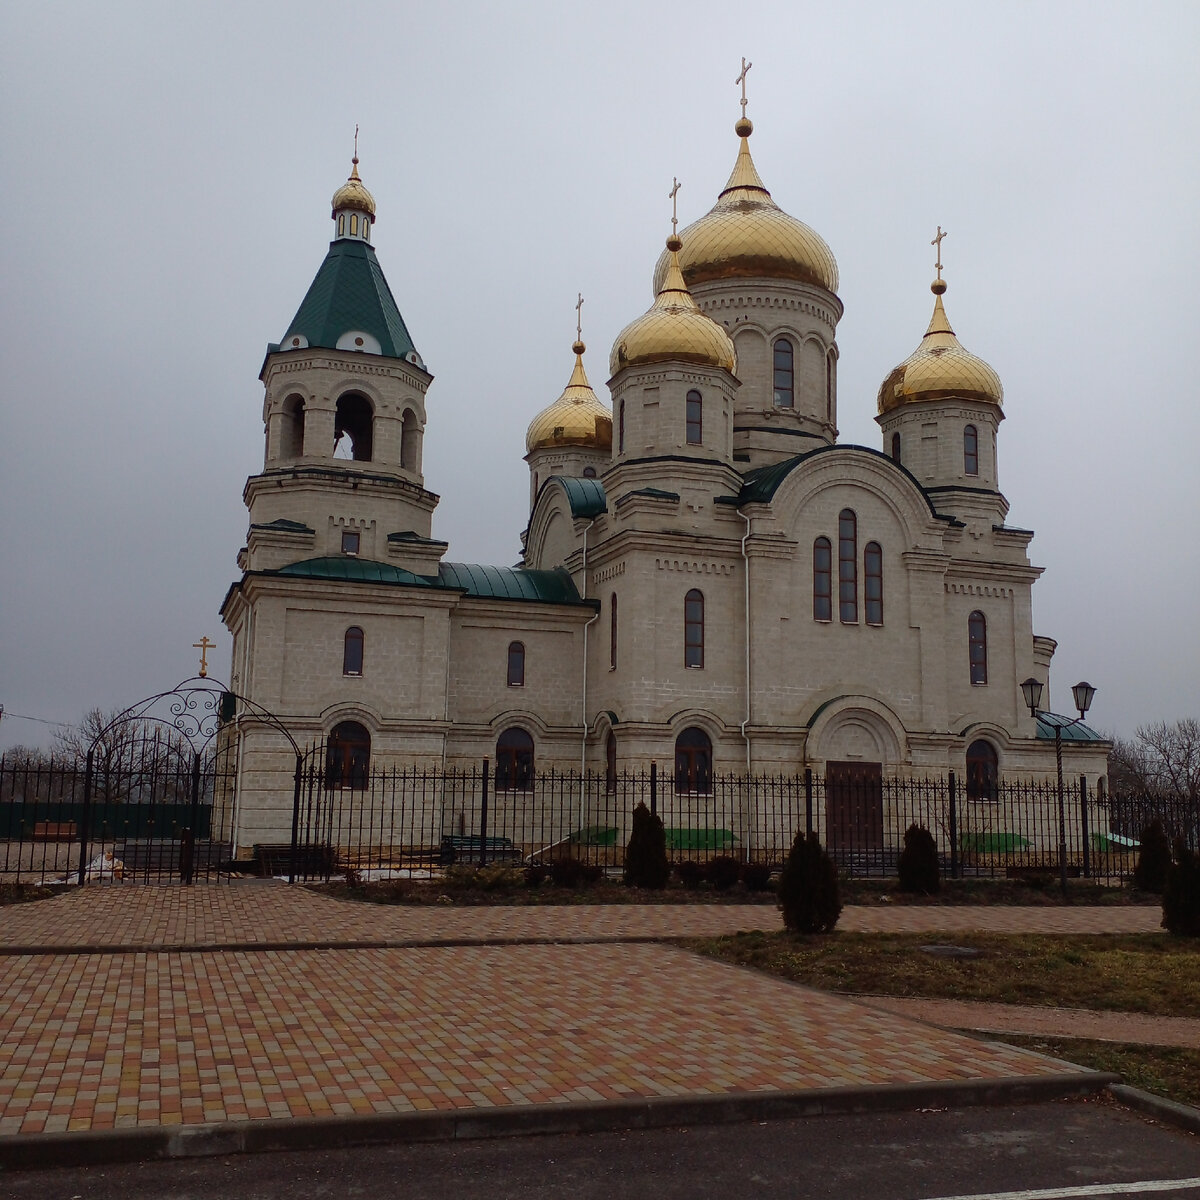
(920, 872)
(808, 888)
(1181, 895)
(757, 877)
(690, 873)
(571, 873)
(723, 872)
(646, 863)
(1154, 860)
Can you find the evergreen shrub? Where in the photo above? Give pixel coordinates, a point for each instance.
(808, 888)
(690, 873)
(571, 873)
(646, 863)
(1181, 895)
(757, 876)
(723, 872)
(920, 872)
(1154, 860)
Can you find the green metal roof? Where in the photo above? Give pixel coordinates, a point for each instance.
(352, 570)
(586, 496)
(1075, 731)
(283, 525)
(510, 583)
(350, 292)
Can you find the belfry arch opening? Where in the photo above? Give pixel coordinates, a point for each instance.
(410, 442)
(291, 429)
(353, 428)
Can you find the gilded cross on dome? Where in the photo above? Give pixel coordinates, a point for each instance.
(579, 318)
(674, 207)
(742, 80)
(937, 241)
(356, 141)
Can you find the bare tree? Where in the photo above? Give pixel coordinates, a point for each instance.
(1172, 755)
(1155, 775)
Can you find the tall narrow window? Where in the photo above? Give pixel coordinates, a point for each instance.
(353, 223)
(847, 566)
(785, 376)
(348, 756)
(612, 633)
(977, 640)
(693, 629)
(516, 664)
(829, 388)
(695, 419)
(822, 580)
(342, 225)
(621, 429)
(896, 447)
(873, 580)
(352, 651)
(610, 762)
(971, 450)
(693, 761)
(983, 769)
(514, 761)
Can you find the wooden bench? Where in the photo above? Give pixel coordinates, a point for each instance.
(469, 848)
(54, 831)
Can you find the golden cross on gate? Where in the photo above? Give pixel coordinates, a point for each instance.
(579, 318)
(937, 241)
(742, 80)
(204, 646)
(674, 212)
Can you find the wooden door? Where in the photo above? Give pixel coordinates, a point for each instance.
(854, 806)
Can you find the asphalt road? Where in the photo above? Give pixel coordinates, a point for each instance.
(1041, 1149)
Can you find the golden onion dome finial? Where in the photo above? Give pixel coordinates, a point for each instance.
(940, 368)
(578, 417)
(353, 196)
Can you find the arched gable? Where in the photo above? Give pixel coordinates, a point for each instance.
(857, 727)
(554, 532)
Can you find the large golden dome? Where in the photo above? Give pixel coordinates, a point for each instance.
(577, 418)
(673, 329)
(940, 368)
(354, 195)
(747, 234)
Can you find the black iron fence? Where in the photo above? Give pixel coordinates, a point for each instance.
(140, 805)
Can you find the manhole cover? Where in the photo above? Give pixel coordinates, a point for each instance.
(952, 951)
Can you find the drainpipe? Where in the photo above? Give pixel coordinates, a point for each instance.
(583, 721)
(746, 580)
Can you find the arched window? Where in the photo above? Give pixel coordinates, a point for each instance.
(516, 664)
(353, 224)
(352, 428)
(589, 472)
(822, 580)
(514, 761)
(695, 418)
(983, 769)
(348, 756)
(977, 640)
(693, 629)
(693, 761)
(291, 440)
(848, 566)
(621, 429)
(785, 375)
(342, 225)
(352, 651)
(873, 580)
(410, 442)
(612, 632)
(829, 387)
(971, 450)
(610, 762)
(896, 447)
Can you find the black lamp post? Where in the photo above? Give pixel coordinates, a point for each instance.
(1031, 689)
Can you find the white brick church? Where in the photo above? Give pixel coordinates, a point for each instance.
(710, 580)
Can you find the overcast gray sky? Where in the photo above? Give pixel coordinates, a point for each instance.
(167, 170)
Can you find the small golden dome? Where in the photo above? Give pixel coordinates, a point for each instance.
(353, 195)
(747, 234)
(673, 329)
(577, 418)
(940, 368)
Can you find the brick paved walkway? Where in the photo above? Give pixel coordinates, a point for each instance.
(276, 1026)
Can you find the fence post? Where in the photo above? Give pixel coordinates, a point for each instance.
(295, 823)
(187, 840)
(954, 863)
(1083, 824)
(808, 802)
(483, 816)
(654, 789)
(85, 818)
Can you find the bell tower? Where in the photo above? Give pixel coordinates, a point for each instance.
(344, 413)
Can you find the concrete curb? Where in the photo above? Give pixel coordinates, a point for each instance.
(146, 1143)
(1170, 1111)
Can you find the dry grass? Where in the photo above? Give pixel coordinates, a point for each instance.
(1144, 973)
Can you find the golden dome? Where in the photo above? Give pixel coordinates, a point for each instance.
(577, 418)
(673, 329)
(940, 368)
(747, 234)
(353, 195)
